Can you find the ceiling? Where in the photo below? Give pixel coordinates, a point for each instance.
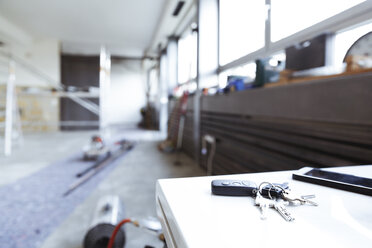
(126, 27)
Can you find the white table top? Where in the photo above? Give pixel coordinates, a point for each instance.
(192, 217)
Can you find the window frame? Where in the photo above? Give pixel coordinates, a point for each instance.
(184, 32)
(348, 18)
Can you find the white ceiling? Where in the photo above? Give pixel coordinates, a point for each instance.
(126, 27)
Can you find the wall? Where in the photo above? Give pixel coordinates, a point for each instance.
(127, 93)
(31, 54)
(319, 123)
(10, 33)
(42, 55)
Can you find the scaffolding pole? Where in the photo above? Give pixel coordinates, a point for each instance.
(9, 110)
(104, 87)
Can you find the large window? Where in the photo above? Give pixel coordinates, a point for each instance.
(249, 30)
(242, 28)
(291, 16)
(187, 56)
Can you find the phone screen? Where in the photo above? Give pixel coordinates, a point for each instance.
(339, 177)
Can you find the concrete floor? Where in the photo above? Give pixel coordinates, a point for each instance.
(37, 151)
(133, 180)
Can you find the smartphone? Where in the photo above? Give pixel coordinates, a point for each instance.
(361, 185)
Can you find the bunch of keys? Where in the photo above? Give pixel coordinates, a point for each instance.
(267, 195)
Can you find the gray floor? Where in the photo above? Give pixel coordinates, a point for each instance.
(133, 180)
(37, 151)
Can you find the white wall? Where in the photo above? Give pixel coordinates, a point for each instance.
(10, 32)
(127, 93)
(42, 54)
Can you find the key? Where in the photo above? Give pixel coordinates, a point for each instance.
(289, 196)
(279, 206)
(308, 196)
(264, 204)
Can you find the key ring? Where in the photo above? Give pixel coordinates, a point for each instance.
(272, 187)
(263, 183)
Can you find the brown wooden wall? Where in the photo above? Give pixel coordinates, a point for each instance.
(320, 123)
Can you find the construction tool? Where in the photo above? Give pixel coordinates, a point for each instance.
(88, 174)
(95, 165)
(212, 141)
(108, 213)
(125, 145)
(96, 149)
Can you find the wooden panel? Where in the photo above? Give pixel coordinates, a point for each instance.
(321, 123)
(249, 144)
(337, 100)
(36, 113)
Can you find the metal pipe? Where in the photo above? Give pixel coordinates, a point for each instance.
(212, 140)
(89, 174)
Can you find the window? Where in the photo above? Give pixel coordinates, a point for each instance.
(187, 56)
(291, 16)
(189, 87)
(242, 28)
(246, 34)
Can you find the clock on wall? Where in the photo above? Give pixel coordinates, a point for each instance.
(361, 47)
(359, 55)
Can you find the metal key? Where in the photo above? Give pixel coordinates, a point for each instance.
(289, 196)
(279, 206)
(263, 203)
(308, 196)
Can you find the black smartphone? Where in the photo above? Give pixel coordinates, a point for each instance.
(361, 185)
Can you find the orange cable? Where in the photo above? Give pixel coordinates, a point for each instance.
(117, 228)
